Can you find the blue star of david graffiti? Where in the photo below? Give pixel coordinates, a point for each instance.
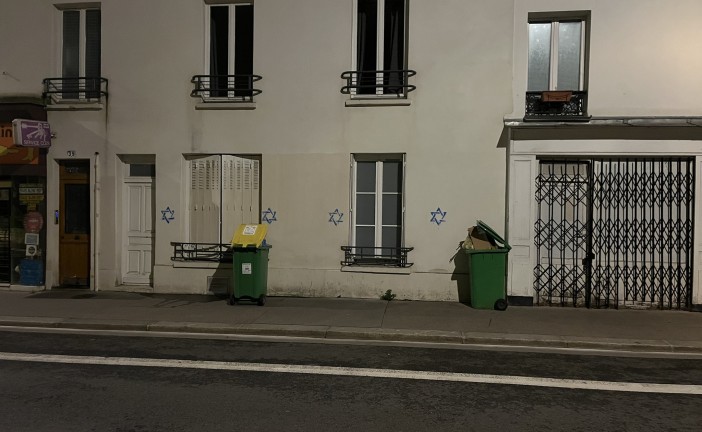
(268, 216)
(438, 216)
(167, 215)
(336, 217)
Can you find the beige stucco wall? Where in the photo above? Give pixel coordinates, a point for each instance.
(644, 55)
(470, 58)
(641, 64)
(306, 135)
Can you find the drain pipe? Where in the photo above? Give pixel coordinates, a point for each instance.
(96, 219)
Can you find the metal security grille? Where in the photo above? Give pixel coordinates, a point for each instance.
(614, 231)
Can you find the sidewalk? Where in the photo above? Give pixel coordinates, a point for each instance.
(359, 319)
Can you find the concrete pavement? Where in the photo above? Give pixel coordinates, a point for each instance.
(359, 319)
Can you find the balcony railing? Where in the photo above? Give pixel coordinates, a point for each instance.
(80, 89)
(225, 88)
(375, 256)
(556, 106)
(210, 252)
(378, 83)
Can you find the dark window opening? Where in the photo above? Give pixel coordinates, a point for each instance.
(394, 46)
(243, 50)
(367, 36)
(92, 53)
(142, 170)
(71, 53)
(77, 208)
(219, 50)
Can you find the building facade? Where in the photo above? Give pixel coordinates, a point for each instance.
(368, 134)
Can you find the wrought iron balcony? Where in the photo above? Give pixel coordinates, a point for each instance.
(378, 83)
(79, 89)
(375, 256)
(556, 106)
(210, 252)
(225, 88)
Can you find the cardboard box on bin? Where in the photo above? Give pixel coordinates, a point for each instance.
(478, 240)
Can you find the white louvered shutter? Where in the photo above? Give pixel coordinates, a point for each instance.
(231, 197)
(205, 199)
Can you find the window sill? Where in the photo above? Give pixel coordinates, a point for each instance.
(225, 106)
(201, 264)
(76, 106)
(380, 101)
(379, 269)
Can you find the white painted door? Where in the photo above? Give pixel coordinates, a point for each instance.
(138, 216)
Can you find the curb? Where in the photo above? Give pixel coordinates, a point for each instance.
(357, 333)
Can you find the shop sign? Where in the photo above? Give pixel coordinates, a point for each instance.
(10, 154)
(26, 199)
(31, 189)
(31, 133)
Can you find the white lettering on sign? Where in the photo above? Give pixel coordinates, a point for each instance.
(250, 230)
(246, 268)
(31, 189)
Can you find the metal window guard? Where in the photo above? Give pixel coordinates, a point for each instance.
(376, 256)
(556, 106)
(378, 82)
(78, 89)
(211, 252)
(227, 88)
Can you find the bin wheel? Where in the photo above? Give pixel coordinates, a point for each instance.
(261, 300)
(500, 304)
(231, 301)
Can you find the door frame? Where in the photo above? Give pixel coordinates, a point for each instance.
(122, 178)
(126, 181)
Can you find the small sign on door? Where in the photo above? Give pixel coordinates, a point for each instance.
(246, 268)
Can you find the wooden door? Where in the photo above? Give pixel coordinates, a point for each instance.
(74, 224)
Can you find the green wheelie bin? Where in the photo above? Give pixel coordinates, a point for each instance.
(250, 264)
(488, 271)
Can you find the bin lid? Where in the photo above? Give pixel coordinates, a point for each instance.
(249, 235)
(491, 232)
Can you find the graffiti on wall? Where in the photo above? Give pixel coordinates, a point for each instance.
(438, 217)
(268, 216)
(167, 215)
(336, 217)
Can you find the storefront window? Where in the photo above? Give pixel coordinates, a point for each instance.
(22, 209)
(22, 230)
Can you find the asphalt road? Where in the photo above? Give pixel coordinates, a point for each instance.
(103, 383)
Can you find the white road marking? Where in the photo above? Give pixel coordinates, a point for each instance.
(360, 372)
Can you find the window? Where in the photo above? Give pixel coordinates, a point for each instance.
(381, 43)
(378, 207)
(80, 53)
(557, 54)
(230, 50)
(224, 191)
(142, 170)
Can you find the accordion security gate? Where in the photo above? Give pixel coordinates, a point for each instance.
(613, 231)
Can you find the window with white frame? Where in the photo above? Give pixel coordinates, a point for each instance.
(80, 53)
(378, 205)
(229, 50)
(224, 191)
(381, 44)
(557, 54)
